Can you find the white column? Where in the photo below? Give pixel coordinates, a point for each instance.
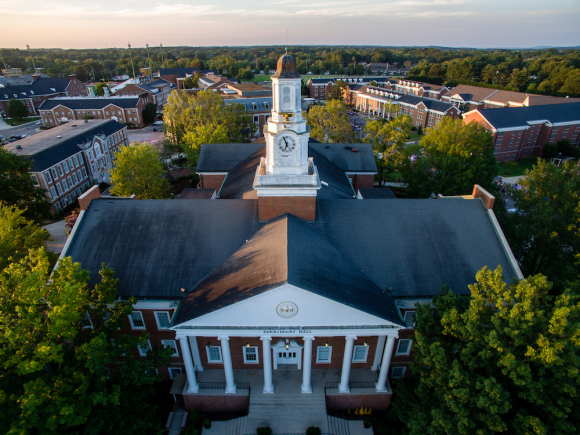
(195, 353)
(378, 352)
(267, 357)
(228, 369)
(348, 348)
(307, 365)
(189, 370)
(382, 382)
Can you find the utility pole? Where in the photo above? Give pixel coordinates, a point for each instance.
(131, 56)
(162, 61)
(28, 47)
(3, 60)
(93, 73)
(149, 59)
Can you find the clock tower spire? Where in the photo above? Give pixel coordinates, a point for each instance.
(286, 171)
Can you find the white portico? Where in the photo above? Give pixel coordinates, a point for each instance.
(292, 325)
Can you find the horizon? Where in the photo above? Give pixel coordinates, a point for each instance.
(456, 24)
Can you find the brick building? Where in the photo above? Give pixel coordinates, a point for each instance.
(281, 284)
(40, 90)
(69, 158)
(319, 88)
(126, 110)
(425, 112)
(388, 68)
(259, 107)
(520, 132)
(157, 90)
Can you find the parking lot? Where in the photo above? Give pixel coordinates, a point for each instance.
(147, 135)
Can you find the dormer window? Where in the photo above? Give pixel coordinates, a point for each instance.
(32, 92)
(266, 105)
(254, 106)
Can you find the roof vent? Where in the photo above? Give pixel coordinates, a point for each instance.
(355, 150)
(348, 148)
(58, 135)
(324, 183)
(74, 125)
(18, 147)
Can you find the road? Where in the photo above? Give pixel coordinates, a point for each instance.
(147, 134)
(6, 130)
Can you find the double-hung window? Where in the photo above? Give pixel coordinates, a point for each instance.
(47, 177)
(360, 354)
(64, 185)
(323, 354)
(143, 349)
(163, 320)
(172, 344)
(59, 168)
(76, 160)
(397, 372)
(136, 320)
(214, 354)
(251, 354)
(65, 164)
(404, 347)
(54, 174)
(53, 192)
(59, 188)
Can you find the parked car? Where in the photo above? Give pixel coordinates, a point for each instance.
(158, 123)
(38, 122)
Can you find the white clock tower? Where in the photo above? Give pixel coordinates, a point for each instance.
(286, 171)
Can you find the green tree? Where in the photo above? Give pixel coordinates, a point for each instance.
(17, 109)
(544, 233)
(520, 79)
(100, 89)
(17, 187)
(138, 171)
(388, 141)
(455, 156)
(149, 113)
(338, 90)
(503, 361)
(192, 120)
(56, 344)
(330, 123)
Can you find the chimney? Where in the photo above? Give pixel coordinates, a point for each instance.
(72, 76)
(86, 198)
(35, 77)
(487, 198)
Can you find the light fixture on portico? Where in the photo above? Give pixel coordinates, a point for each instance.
(326, 343)
(287, 343)
(366, 344)
(248, 344)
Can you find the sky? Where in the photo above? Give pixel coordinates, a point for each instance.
(449, 23)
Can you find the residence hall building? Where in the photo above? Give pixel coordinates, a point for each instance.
(172, 74)
(424, 112)
(474, 97)
(157, 90)
(41, 89)
(126, 110)
(67, 159)
(256, 99)
(281, 285)
(320, 87)
(522, 131)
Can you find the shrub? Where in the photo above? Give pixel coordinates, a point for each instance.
(194, 418)
(267, 430)
(550, 150)
(206, 423)
(312, 430)
(189, 430)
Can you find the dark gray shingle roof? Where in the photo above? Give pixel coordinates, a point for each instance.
(520, 116)
(384, 193)
(223, 157)
(86, 103)
(41, 86)
(342, 156)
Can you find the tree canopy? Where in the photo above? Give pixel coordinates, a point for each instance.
(192, 120)
(338, 90)
(330, 123)
(149, 113)
(505, 360)
(56, 343)
(139, 171)
(454, 157)
(17, 187)
(100, 89)
(17, 109)
(544, 232)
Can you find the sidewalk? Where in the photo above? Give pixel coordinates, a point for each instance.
(59, 236)
(513, 180)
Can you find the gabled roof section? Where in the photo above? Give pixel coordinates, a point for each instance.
(41, 86)
(223, 157)
(470, 93)
(342, 155)
(281, 253)
(522, 116)
(80, 103)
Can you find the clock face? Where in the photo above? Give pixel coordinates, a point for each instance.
(286, 144)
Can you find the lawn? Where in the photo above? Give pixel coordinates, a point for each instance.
(15, 121)
(518, 169)
(414, 136)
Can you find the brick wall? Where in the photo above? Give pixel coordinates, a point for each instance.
(362, 181)
(377, 402)
(86, 198)
(212, 181)
(303, 207)
(221, 403)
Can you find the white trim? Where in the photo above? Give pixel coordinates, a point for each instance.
(141, 353)
(142, 319)
(155, 313)
(505, 244)
(318, 361)
(366, 348)
(559, 124)
(398, 368)
(211, 173)
(408, 352)
(246, 361)
(221, 360)
(176, 353)
(155, 305)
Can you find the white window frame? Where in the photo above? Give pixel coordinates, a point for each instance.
(65, 165)
(209, 360)
(141, 353)
(398, 368)
(59, 189)
(318, 360)
(142, 320)
(408, 352)
(157, 319)
(53, 192)
(47, 177)
(171, 373)
(414, 319)
(172, 344)
(76, 160)
(366, 349)
(246, 361)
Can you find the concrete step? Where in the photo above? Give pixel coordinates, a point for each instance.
(338, 426)
(236, 426)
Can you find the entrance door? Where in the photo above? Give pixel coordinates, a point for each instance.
(287, 357)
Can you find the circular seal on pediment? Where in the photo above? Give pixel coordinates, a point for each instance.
(287, 309)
